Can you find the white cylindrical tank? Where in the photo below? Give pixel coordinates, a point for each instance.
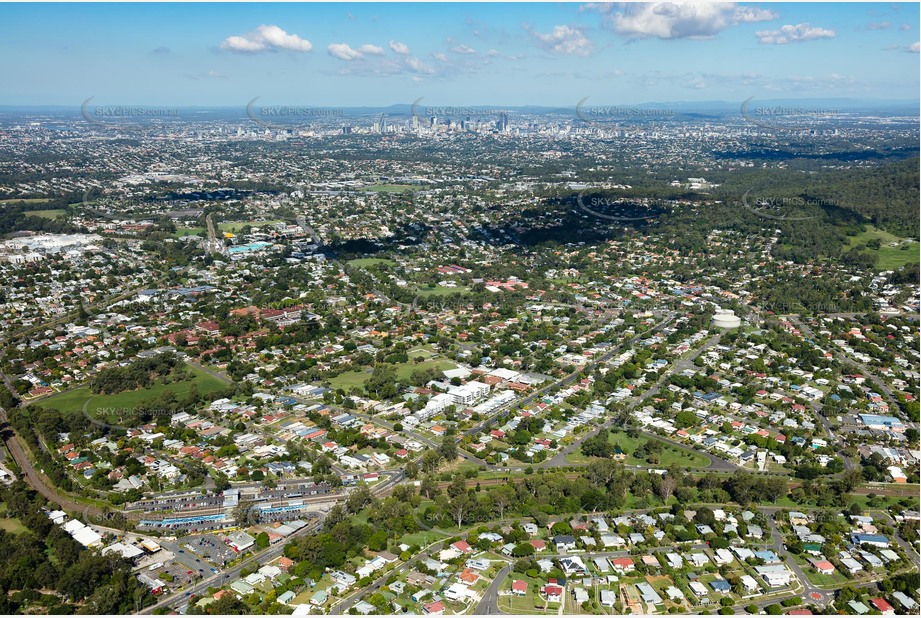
(725, 318)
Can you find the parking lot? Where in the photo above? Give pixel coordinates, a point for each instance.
(179, 573)
(209, 547)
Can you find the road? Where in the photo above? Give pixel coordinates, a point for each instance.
(810, 593)
(489, 604)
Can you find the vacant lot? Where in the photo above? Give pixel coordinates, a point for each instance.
(104, 407)
(668, 456)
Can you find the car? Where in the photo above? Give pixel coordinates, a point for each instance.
(188, 572)
(181, 551)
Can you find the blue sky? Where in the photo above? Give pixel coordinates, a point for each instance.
(459, 54)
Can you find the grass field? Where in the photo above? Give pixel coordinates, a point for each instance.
(54, 213)
(669, 455)
(351, 379)
(236, 226)
(439, 290)
(13, 526)
(423, 538)
(890, 257)
(365, 262)
(34, 200)
(188, 231)
(75, 399)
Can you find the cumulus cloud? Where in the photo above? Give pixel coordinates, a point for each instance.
(463, 49)
(266, 38)
(793, 34)
(679, 20)
(915, 47)
(343, 51)
(400, 48)
(563, 40)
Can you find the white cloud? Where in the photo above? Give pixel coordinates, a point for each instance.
(463, 49)
(400, 48)
(563, 40)
(793, 34)
(915, 47)
(343, 51)
(417, 66)
(266, 38)
(440, 57)
(680, 20)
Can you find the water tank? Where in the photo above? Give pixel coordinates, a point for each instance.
(725, 318)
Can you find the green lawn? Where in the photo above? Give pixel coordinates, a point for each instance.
(47, 214)
(365, 262)
(235, 226)
(13, 526)
(422, 538)
(351, 379)
(835, 579)
(34, 200)
(188, 231)
(74, 400)
(438, 290)
(669, 455)
(890, 257)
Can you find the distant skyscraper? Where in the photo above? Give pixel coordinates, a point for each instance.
(502, 124)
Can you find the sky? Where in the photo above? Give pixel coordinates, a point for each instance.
(378, 54)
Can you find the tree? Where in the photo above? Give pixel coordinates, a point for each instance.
(460, 507)
(666, 487)
(523, 550)
(501, 497)
(448, 448)
(262, 540)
